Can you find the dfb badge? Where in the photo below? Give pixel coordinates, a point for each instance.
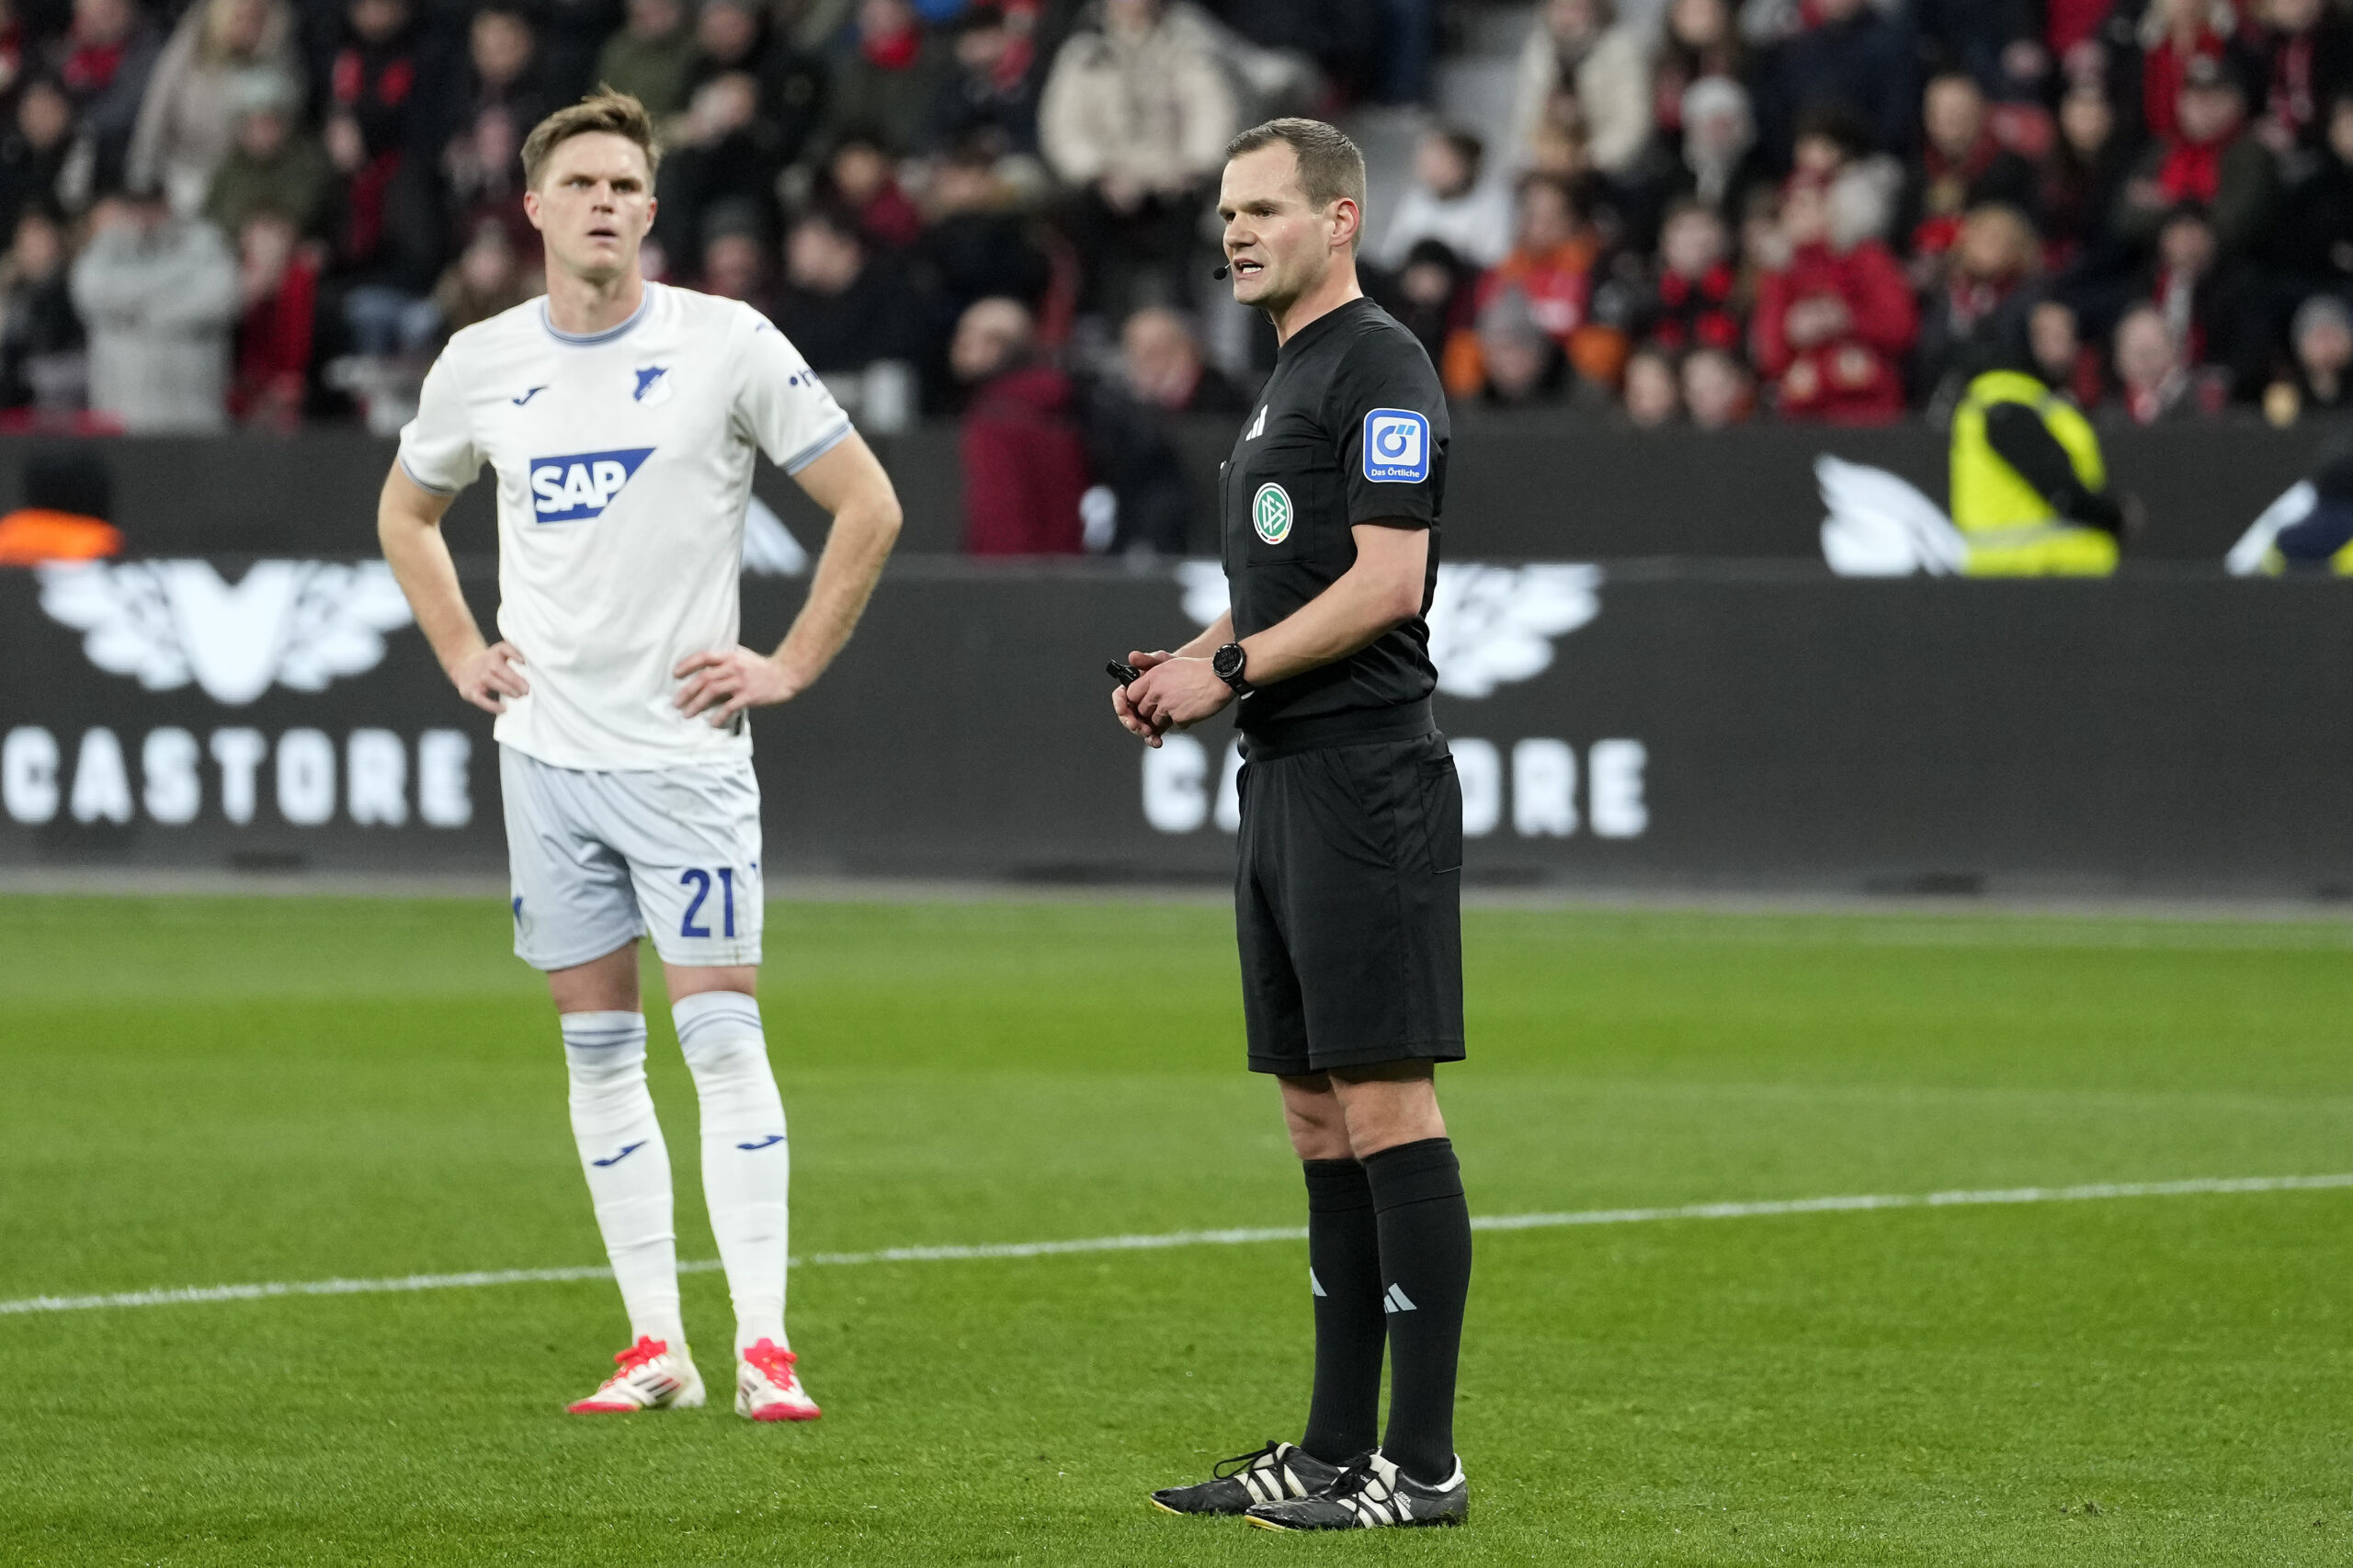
(1271, 513)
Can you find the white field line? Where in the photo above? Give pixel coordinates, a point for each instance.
(2095, 1191)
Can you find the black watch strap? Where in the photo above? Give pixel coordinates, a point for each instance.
(1227, 664)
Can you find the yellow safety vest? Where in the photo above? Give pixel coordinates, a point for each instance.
(2011, 529)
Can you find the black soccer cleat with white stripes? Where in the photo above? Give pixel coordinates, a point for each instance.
(1369, 1493)
(1269, 1474)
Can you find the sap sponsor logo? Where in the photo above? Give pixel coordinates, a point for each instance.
(576, 488)
(372, 778)
(1490, 626)
(1396, 445)
(1542, 786)
(298, 624)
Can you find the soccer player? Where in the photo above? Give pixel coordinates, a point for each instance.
(621, 418)
(1348, 902)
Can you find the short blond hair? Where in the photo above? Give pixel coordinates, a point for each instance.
(1330, 167)
(605, 112)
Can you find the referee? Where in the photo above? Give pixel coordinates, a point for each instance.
(1348, 898)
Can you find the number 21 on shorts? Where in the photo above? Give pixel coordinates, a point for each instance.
(698, 879)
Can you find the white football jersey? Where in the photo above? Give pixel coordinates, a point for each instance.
(624, 464)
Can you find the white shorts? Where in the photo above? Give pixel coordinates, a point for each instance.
(599, 859)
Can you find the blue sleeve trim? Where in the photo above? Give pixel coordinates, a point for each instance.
(817, 448)
(421, 483)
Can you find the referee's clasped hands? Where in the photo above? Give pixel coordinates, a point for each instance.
(1174, 693)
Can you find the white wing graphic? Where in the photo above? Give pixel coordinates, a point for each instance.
(2247, 557)
(1490, 626)
(295, 623)
(337, 622)
(125, 616)
(1493, 625)
(1881, 526)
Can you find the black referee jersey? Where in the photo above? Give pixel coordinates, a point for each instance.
(1347, 896)
(1351, 429)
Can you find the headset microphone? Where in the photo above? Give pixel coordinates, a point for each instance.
(1221, 272)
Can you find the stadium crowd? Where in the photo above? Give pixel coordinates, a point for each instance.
(260, 211)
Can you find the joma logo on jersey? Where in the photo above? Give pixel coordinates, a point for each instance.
(570, 490)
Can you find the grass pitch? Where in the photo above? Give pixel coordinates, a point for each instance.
(210, 1091)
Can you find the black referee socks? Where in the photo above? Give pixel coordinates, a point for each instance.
(1425, 1230)
(1343, 1272)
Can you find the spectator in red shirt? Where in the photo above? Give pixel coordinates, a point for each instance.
(2207, 162)
(2066, 23)
(1024, 460)
(1695, 301)
(2174, 35)
(278, 277)
(1833, 325)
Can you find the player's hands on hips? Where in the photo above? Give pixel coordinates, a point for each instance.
(1124, 707)
(1176, 693)
(487, 678)
(722, 682)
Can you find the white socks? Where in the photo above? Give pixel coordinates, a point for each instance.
(627, 1165)
(746, 1162)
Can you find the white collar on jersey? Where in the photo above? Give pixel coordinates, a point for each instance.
(590, 339)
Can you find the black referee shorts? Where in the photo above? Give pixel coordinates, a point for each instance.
(1349, 904)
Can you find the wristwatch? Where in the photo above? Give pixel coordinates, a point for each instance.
(1227, 665)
